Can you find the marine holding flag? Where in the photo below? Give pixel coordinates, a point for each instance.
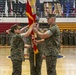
(35, 69)
(52, 43)
(17, 47)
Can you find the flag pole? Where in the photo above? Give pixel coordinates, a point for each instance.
(34, 36)
(35, 53)
(34, 59)
(33, 5)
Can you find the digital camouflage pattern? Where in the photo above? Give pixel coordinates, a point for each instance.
(10, 36)
(53, 42)
(17, 53)
(17, 47)
(52, 49)
(17, 67)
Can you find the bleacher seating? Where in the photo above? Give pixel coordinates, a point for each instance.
(19, 8)
(2, 5)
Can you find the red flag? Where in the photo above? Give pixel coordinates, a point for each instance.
(31, 13)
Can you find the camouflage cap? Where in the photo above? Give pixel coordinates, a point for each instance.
(15, 26)
(51, 15)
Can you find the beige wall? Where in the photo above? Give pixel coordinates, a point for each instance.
(67, 25)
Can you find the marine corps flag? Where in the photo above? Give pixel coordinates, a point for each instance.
(31, 13)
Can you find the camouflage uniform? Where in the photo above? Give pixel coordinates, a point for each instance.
(52, 49)
(10, 36)
(35, 70)
(17, 53)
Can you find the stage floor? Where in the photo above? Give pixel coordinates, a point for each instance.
(65, 65)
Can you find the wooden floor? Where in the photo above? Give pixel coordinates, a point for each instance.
(65, 66)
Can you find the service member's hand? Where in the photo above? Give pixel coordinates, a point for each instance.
(27, 46)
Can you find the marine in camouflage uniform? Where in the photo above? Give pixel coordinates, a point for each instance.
(17, 53)
(52, 43)
(52, 49)
(17, 48)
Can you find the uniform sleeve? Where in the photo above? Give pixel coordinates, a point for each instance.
(16, 40)
(22, 34)
(52, 30)
(49, 32)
